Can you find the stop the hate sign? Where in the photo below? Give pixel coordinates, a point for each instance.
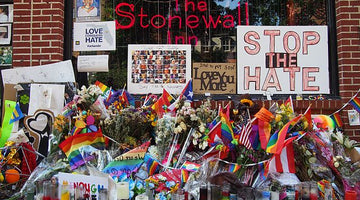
(282, 59)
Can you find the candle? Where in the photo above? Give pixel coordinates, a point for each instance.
(350, 194)
(122, 189)
(141, 197)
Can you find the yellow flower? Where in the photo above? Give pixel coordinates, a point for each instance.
(278, 118)
(247, 102)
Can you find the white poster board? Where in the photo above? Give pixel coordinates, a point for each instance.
(354, 119)
(94, 36)
(282, 59)
(54, 73)
(46, 96)
(91, 184)
(152, 67)
(93, 63)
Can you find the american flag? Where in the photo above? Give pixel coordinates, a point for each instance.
(244, 135)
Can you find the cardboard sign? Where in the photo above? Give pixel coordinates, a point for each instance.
(214, 78)
(95, 36)
(53, 73)
(90, 184)
(282, 59)
(152, 67)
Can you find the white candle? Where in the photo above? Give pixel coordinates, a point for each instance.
(142, 197)
(122, 189)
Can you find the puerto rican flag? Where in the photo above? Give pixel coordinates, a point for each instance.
(284, 162)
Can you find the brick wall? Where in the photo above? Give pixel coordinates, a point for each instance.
(38, 32)
(348, 37)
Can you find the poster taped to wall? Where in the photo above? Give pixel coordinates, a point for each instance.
(88, 10)
(214, 78)
(5, 33)
(152, 67)
(282, 59)
(94, 36)
(5, 55)
(6, 13)
(354, 118)
(93, 63)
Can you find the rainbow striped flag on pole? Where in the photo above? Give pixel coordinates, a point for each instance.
(337, 119)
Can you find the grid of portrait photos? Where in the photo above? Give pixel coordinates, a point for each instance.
(6, 19)
(158, 66)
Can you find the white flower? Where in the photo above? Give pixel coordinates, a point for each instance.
(183, 126)
(336, 164)
(187, 104)
(202, 128)
(349, 143)
(195, 142)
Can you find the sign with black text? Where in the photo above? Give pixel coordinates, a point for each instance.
(214, 78)
(94, 36)
(282, 59)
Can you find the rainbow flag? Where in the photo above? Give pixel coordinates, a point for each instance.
(72, 144)
(184, 176)
(160, 106)
(190, 166)
(307, 116)
(233, 167)
(227, 134)
(355, 102)
(276, 142)
(136, 153)
(152, 165)
(119, 167)
(337, 119)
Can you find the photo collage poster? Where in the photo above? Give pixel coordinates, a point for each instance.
(151, 67)
(6, 20)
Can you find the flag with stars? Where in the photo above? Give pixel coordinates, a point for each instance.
(188, 91)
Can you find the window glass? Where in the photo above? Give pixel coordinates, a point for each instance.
(209, 25)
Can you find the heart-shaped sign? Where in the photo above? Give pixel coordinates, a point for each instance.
(40, 126)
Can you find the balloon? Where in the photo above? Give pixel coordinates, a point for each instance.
(324, 122)
(12, 176)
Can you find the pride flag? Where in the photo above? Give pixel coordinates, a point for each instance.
(118, 167)
(72, 144)
(337, 119)
(160, 106)
(355, 102)
(276, 142)
(184, 176)
(190, 166)
(233, 167)
(152, 165)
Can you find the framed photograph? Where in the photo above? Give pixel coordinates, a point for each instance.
(5, 55)
(152, 67)
(354, 119)
(5, 33)
(6, 13)
(88, 10)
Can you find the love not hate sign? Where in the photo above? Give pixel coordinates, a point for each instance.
(282, 59)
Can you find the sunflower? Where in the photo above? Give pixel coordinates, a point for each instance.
(247, 102)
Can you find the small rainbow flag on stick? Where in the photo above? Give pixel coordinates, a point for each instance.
(355, 102)
(190, 166)
(233, 167)
(152, 164)
(337, 119)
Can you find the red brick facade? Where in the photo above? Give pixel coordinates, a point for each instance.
(348, 37)
(38, 32)
(38, 39)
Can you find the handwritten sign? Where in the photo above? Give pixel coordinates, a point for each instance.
(282, 59)
(93, 63)
(214, 78)
(152, 67)
(90, 184)
(94, 36)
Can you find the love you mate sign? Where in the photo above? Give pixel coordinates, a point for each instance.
(282, 59)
